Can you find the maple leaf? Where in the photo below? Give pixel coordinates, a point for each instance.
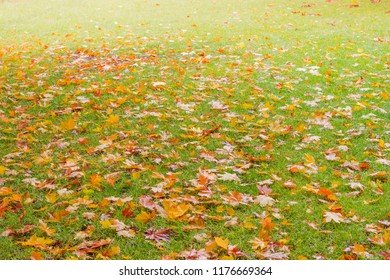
(333, 216)
(85, 233)
(193, 254)
(223, 243)
(234, 251)
(112, 178)
(69, 124)
(264, 200)
(229, 177)
(96, 180)
(359, 250)
(111, 252)
(126, 233)
(267, 223)
(91, 246)
(258, 243)
(159, 85)
(112, 120)
(309, 160)
(127, 212)
(158, 235)
(43, 226)
(356, 185)
(145, 217)
(296, 168)
(38, 242)
(2, 169)
(147, 202)
(36, 256)
(275, 255)
(264, 189)
(290, 184)
(173, 210)
(5, 191)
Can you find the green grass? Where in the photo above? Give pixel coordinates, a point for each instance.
(277, 68)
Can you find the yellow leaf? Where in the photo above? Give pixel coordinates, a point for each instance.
(323, 168)
(223, 243)
(43, 226)
(241, 45)
(227, 258)
(248, 224)
(114, 251)
(68, 124)
(174, 210)
(2, 169)
(105, 224)
(112, 119)
(210, 246)
(358, 249)
(51, 197)
(381, 143)
(309, 159)
(88, 191)
(386, 236)
(145, 217)
(300, 128)
(300, 257)
(230, 211)
(39, 242)
(136, 175)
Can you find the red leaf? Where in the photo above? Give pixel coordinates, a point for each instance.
(158, 235)
(127, 212)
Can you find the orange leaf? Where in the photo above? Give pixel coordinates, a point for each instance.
(112, 178)
(267, 223)
(127, 212)
(174, 210)
(58, 216)
(96, 180)
(5, 191)
(223, 243)
(36, 256)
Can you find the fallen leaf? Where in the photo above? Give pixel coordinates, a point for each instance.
(333, 216)
(223, 243)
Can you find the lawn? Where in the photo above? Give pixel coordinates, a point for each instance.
(203, 129)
